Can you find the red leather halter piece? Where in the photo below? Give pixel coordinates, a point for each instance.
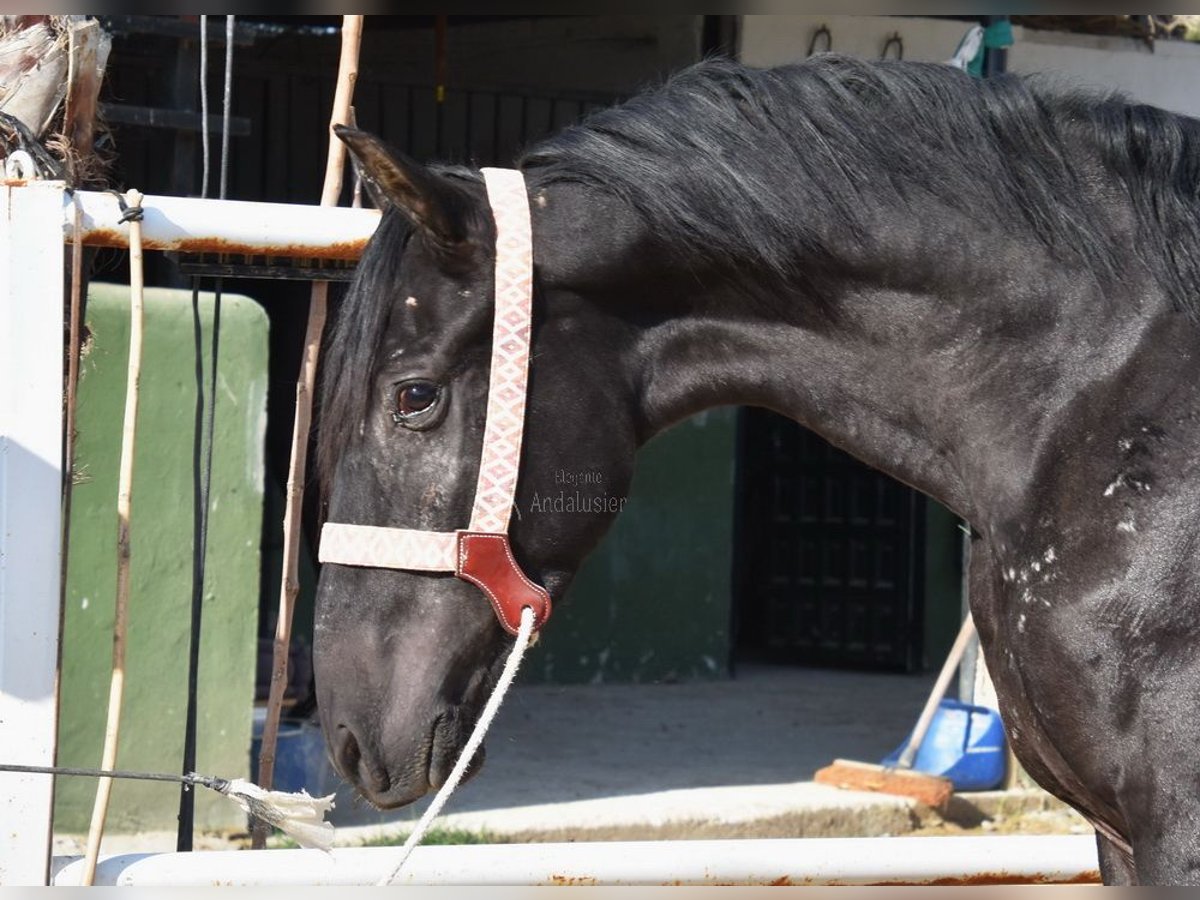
(479, 553)
(486, 560)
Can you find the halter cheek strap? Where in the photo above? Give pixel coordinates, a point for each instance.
(479, 553)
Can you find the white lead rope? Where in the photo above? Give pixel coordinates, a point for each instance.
(524, 633)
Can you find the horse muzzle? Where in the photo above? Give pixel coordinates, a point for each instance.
(389, 776)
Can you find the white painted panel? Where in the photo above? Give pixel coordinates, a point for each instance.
(31, 342)
(1165, 76)
(773, 40)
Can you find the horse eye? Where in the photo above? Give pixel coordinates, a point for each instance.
(414, 398)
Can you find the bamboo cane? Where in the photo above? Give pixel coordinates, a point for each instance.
(116, 689)
(334, 165)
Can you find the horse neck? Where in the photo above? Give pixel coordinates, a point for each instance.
(951, 370)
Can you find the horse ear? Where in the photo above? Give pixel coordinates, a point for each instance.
(434, 204)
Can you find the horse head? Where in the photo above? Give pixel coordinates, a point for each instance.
(404, 660)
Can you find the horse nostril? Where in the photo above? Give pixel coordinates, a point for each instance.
(346, 752)
(361, 770)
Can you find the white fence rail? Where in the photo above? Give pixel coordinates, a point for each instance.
(1042, 859)
(191, 225)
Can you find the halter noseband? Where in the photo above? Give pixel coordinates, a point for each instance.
(479, 553)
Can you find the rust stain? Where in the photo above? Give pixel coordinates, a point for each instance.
(105, 237)
(1090, 876)
(111, 237)
(15, 182)
(983, 879)
(572, 880)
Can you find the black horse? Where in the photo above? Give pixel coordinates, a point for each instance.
(986, 289)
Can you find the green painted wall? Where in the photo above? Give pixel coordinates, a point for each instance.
(652, 603)
(161, 534)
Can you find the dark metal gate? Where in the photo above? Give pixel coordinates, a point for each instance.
(830, 556)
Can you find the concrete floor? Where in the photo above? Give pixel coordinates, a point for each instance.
(700, 759)
(605, 755)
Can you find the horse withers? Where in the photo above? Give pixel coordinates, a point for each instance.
(986, 289)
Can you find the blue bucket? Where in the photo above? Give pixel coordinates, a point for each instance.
(964, 743)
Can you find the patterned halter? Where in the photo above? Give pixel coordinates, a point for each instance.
(479, 553)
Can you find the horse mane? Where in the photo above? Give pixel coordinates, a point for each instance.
(749, 166)
(754, 168)
(352, 344)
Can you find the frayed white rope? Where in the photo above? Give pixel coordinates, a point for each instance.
(485, 720)
(298, 814)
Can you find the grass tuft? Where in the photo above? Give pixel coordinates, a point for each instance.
(435, 837)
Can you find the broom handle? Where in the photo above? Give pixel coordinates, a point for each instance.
(965, 633)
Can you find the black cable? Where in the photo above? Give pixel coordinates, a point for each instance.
(183, 842)
(202, 446)
(217, 784)
(128, 213)
(202, 481)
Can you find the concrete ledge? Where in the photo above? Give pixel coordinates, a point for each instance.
(798, 810)
(969, 810)
(801, 809)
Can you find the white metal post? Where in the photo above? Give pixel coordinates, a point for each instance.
(31, 423)
(35, 219)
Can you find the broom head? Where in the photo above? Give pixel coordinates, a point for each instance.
(932, 790)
